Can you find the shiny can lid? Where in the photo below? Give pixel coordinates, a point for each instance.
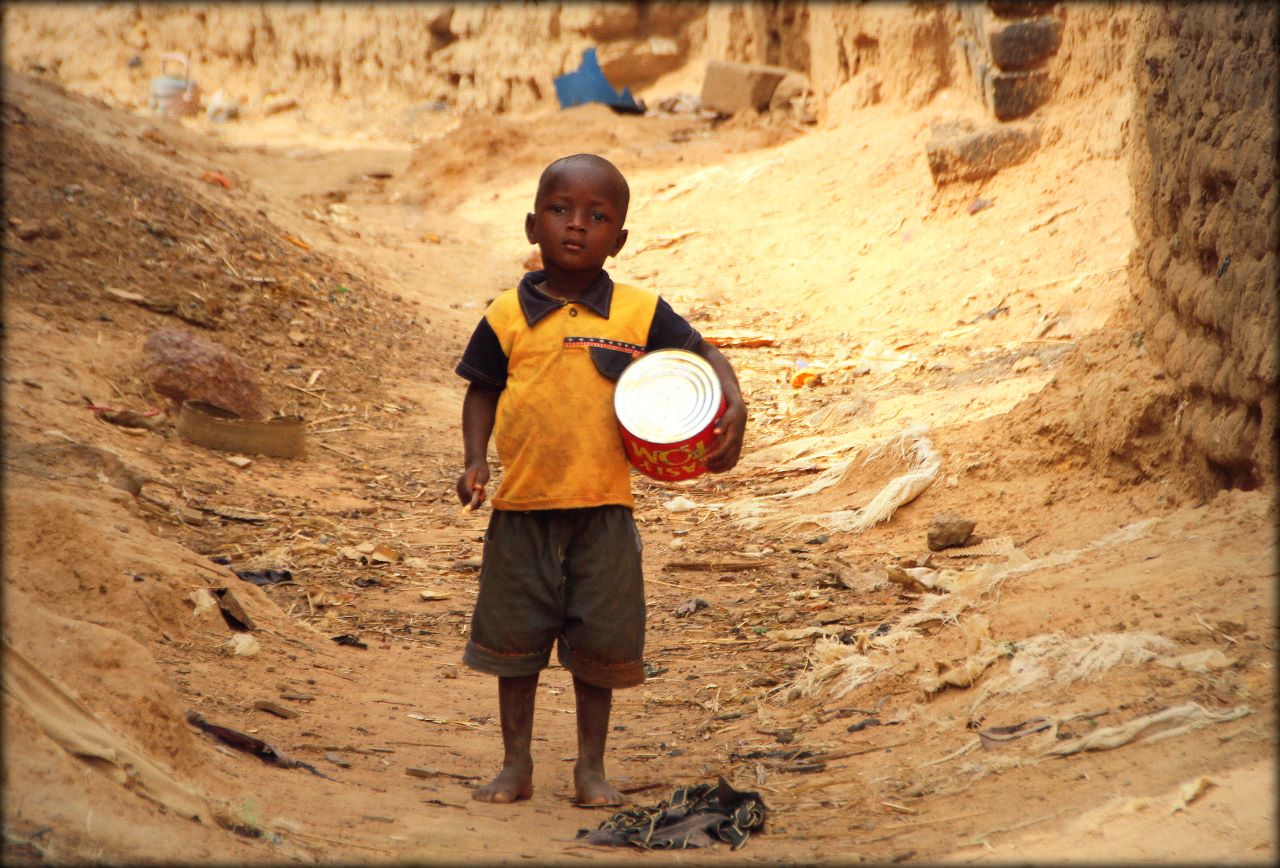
(667, 396)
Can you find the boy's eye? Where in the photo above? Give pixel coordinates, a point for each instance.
(598, 216)
(558, 209)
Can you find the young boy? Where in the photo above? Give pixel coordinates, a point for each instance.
(562, 553)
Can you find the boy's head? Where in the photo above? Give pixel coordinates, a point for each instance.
(579, 213)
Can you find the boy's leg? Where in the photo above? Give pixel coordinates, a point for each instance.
(590, 786)
(516, 697)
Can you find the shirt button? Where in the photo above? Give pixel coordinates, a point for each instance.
(573, 311)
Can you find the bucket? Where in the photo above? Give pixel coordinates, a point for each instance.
(667, 403)
(173, 93)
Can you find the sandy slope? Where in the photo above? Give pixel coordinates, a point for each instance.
(835, 242)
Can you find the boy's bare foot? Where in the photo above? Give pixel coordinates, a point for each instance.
(592, 790)
(511, 785)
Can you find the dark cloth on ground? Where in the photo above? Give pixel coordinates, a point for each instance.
(693, 817)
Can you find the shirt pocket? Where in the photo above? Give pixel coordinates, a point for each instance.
(610, 362)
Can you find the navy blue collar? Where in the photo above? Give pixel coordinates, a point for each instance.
(535, 303)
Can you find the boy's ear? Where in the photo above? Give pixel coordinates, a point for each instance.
(528, 229)
(622, 239)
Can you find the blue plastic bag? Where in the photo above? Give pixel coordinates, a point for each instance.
(588, 84)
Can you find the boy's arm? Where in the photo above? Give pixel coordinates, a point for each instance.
(729, 429)
(479, 409)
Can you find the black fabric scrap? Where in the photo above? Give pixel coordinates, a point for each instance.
(693, 817)
(265, 577)
(250, 745)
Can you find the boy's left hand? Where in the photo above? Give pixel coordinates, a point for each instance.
(728, 443)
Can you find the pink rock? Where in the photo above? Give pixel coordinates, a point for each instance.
(182, 366)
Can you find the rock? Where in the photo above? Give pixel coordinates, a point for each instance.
(731, 87)
(786, 615)
(793, 96)
(182, 366)
(959, 151)
(949, 529)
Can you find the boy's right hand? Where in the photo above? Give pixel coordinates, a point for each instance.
(471, 485)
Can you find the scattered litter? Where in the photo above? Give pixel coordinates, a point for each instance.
(832, 661)
(432, 596)
(212, 177)
(979, 205)
(174, 93)
(265, 577)
(924, 467)
(1155, 727)
(690, 818)
(680, 503)
(715, 565)
(151, 420)
(244, 645)
(337, 760)
(688, 607)
(349, 640)
(468, 724)
(863, 724)
(275, 708)
(739, 338)
(416, 772)
(222, 108)
(250, 745)
(204, 601)
(277, 104)
(588, 84)
(1000, 308)
(996, 736)
(240, 461)
(1197, 661)
(1058, 661)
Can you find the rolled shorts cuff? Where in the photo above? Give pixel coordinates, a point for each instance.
(505, 665)
(607, 675)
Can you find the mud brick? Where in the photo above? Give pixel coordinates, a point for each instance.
(1015, 94)
(1020, 8)
(959, 152)
(1019, 45)
(733, 87)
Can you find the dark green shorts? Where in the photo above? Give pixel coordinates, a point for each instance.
(568, 577)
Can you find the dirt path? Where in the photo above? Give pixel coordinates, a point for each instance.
(845, 690)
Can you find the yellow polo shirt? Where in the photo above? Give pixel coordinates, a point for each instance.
(556, 363)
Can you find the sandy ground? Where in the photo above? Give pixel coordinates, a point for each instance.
(1136, 620)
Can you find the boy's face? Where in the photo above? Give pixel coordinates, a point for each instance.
(577, 220)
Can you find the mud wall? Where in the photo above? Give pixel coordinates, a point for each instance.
(490, 57)
(1204, 181)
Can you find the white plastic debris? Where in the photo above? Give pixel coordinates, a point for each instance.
(244, 645)
(680, 503)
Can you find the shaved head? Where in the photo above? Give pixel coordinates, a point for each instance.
(613, 184)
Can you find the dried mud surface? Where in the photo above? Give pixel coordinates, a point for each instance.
(349, 272)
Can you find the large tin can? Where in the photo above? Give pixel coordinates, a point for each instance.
(667, 403)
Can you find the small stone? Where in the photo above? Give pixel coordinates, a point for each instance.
(786, 615)
(949, 529)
